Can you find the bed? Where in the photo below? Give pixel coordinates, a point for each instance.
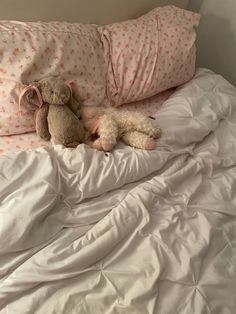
(127, 231)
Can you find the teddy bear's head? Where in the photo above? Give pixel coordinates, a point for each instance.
(53, 90)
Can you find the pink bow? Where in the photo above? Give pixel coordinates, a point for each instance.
(69, 83)
(26, 89)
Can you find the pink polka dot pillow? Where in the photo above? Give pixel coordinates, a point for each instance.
(150, 54)
(31, 51)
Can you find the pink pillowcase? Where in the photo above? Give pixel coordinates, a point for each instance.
(150, 54)
(118, 63)
(31, 51)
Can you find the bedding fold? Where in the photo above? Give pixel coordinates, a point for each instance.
(130, 231)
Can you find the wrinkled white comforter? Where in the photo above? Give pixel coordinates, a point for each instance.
(131, 231)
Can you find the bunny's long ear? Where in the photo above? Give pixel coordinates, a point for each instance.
(31, 95)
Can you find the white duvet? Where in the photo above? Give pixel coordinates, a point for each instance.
(130, 231)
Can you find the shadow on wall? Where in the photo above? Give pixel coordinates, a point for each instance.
(216, 46)
(194, 5)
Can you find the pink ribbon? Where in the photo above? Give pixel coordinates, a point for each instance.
(69, 83)
(26, 89)
(95, 124)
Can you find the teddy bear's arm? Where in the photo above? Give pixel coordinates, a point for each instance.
(108, 132)
(75, 107)
(42, 123)
(139, 140)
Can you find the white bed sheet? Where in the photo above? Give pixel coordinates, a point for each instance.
(130, 231)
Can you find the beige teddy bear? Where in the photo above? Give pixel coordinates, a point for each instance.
(110, 125)
(58, 116)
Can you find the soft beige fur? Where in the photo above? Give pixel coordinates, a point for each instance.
(133, 128)
(59, 116)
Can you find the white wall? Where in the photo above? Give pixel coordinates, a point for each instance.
(87, 11)
(217, 36)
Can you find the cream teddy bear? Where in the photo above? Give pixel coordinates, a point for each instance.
(109, 125)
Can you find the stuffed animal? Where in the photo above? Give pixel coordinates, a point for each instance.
(110, 125)
(58, 115)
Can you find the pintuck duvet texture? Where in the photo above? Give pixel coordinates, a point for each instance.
(130, 231)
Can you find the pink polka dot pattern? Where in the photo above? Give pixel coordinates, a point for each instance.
(116, 64)
(31, 51)
(15, 143)
(150, 54)
(149, 106)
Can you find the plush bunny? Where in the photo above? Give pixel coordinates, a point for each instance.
(110, 125)
(58, 115)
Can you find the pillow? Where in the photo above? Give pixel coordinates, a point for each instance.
(150, 54)
(31, 51)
